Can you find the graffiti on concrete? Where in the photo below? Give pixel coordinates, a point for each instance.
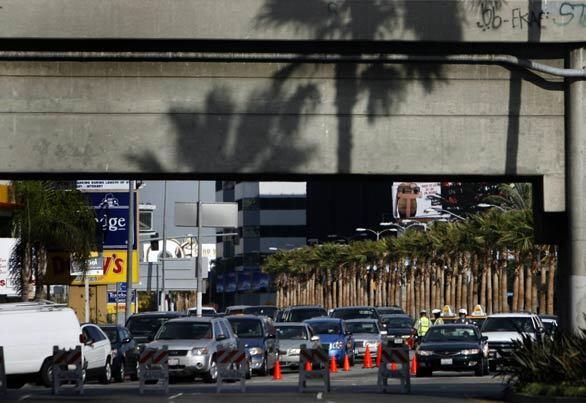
(567, 13)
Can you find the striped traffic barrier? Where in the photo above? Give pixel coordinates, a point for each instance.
(317, 360)
(63, 360)
(153, 370)
(2, 372)
(231, 367)
(394, 363)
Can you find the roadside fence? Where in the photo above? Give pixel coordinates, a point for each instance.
(66, 379)
(231, 367)
(153, 368)
(317, 360)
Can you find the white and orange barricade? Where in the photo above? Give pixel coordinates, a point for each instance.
(394, 364)
(319, 359)
(232, 366)
(67, 370)
(153, 370)
(2, 373)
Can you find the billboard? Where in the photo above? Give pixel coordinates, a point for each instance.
(6, 286)
(112, 214)
(114, 269)
(411, 199)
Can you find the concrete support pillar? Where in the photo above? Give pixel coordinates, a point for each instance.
(575, 302)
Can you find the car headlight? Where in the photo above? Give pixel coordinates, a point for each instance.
(424, 353)
(294, 351)
(337, 345)
(470, 351)
(256, 351)
(199, 351)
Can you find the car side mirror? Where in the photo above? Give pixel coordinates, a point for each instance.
(271, 336)
(347, 332)
(314, 338)
(484, 338)
(383, 333)
(221, 337)
(126, 340)
(89, 342)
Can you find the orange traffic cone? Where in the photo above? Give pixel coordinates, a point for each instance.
(308, 366)
(277, 371)
(333, 365)
(367, 358)
(379, 353)
(413, 367)
(346, 363)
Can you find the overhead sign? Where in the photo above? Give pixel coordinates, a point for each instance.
(102, 185)
(112, 209)
(6, 285)
(213, 215)
(113, 266)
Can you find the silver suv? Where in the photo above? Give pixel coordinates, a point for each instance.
(193, 345)
(504, 328)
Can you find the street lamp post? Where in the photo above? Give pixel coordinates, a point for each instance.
(377, 233)
(441, 210)
(487, 205)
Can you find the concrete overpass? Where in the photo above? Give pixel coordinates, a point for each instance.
(428, 88)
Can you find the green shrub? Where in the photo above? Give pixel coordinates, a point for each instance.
(546, 365)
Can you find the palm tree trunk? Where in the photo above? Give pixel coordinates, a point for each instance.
(551, 279)
(521, 302)
(496, 301)
(489, 305)
(543, 287)
(528, 286)
(516, 288)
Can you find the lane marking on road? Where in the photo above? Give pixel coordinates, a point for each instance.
(175, 396)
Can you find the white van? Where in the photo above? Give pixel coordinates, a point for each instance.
(28, 332)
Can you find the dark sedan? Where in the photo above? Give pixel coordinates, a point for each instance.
(124, 352)
(398, 325)
(143, 326)
(453, 348)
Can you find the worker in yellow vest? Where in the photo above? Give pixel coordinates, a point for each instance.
(423, 323)
(437, 317)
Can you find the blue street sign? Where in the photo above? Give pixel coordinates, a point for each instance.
(112, 214)
(121, 297)
(122, 287)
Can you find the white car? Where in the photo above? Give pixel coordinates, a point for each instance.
(97, 352)
(504, 328)
(28, 332)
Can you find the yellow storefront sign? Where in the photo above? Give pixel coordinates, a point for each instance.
(114, 264)
(121, 308)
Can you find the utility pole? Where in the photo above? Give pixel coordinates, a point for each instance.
(129, 256)
(163, 297)
(198, 267)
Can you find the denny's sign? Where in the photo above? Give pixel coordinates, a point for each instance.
(114, 267)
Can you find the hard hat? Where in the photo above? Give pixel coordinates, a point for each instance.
(423, 311)
(464, 311)
(434, 311)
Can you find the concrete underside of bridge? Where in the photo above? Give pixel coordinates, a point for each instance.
(245, 113)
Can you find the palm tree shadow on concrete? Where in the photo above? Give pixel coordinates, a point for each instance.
(384, 86)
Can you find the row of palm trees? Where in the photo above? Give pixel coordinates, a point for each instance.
(478, 260)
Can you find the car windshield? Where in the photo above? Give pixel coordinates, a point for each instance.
(185, 331)
(326, 327)
(389, 311)
(291, 333)
(145, 326)
(362, 327)
(451, 333)
(354, 313)
(246, 328)
(299, 315)
(111, 333)
(404, 323)
(512, 324)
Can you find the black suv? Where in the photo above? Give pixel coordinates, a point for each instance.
(301, 313)
(143, 326)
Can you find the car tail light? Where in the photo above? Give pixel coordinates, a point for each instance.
(82, 338)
